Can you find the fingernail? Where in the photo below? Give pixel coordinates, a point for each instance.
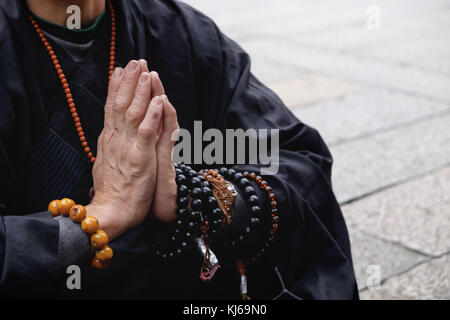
(117, 72)
(133, 65)
(144, 77)
(157, 101)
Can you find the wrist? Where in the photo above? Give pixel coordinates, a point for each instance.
(107, 218)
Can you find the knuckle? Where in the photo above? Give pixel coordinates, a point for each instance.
(132, 114)
(146, 131)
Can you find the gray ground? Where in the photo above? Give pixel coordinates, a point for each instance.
(381, 99)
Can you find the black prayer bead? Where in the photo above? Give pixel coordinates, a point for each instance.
(183, 202)
(196, 193)
(181, 179)
(182, 191)
(255, 211)
(196, 204)
(195, 182)
(249, 191)
(206, 192)
(244, 182)
(253, 200)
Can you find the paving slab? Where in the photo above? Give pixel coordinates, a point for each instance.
(390, 259)
(428, 281)
(363, 113)
(370, 164)
(415, 214)
(313, 88)
(369, 71)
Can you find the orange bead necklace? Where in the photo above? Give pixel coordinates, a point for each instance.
(65, 84)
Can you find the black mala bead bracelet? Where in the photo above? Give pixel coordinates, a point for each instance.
(197, 213)
(242, 180)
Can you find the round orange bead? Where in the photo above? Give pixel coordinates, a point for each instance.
(104, 254)
(77, 213)
(65, 205)
(53, 207)
(89, 225)
(99, 239)
(96, 263)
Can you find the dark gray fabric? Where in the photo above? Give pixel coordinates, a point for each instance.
(73, 244)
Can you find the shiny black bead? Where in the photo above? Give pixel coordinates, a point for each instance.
(179, 251)
(175, 165)
(178, 171)
(216, 224)
(253, 200)
(164, 256)
(216, 213)
(196, 204)
(249, 191)
(196, 193)
(179, 223)
(183, 202)
(255, 221)
(202, 178)
(231, 173)
(180, 179)
(192, 173)
(206, 192)
(205, 184)
(188, 235)
(182, 213)
(212, 202)
(191, 225)
(223, 171)
(195, 183)
(182, 191)
(173, 239)
(255, 211)
(244, 182)
(237, 177)
(195, 216)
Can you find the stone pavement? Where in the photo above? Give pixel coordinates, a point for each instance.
(374, 78)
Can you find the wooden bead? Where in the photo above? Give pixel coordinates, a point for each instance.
(97, 264)
(77, 213)
(53, 207)
(99, 239)
(65, 205)
(89, 225)
(104, 254)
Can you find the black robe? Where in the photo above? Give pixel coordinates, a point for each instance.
(207, 77)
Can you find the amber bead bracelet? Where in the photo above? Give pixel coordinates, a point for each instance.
(99, 238)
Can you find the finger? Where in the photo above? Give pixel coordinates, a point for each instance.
(143, 64)
(146, 134)
(113, 88)
(126, 93)
(170, 131)
(158, 88)
(138, 107)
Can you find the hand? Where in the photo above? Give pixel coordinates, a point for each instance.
(164, 202)
(124, 173)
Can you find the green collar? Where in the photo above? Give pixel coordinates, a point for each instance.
(73, 35)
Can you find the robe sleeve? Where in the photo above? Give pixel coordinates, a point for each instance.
(311, 257)
(32, 251)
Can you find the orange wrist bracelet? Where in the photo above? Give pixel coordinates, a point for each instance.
(98, 238)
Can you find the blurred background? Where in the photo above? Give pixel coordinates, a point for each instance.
(374, 78)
